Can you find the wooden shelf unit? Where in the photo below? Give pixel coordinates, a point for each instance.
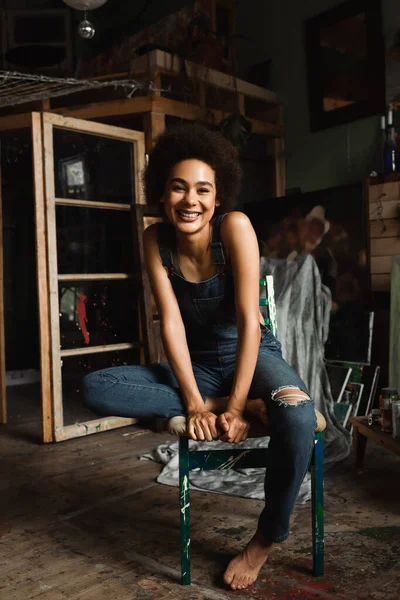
(179, 89)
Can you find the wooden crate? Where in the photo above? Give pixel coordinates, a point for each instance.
(384, 219)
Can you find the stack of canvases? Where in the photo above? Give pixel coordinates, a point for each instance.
(331, 227)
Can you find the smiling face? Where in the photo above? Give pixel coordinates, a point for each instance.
(190, 195)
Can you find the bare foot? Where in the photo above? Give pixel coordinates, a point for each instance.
(243, 570)
(257, 410)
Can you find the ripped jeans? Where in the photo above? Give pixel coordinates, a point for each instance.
(150, 391)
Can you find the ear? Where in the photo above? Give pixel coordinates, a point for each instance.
(217, 202)
(162, 198)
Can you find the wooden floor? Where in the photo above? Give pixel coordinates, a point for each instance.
(85, 520)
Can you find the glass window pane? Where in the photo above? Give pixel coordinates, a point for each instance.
(91, 167)
(73, 370)
(98, 313)
(92, 240)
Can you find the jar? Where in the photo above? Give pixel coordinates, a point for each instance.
(386, 398)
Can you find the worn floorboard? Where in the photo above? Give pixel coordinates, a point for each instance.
(85, 520)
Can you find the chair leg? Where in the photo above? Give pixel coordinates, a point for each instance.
(317, 484)
(184, 495)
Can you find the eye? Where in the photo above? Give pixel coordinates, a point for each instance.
(178, 188)
(203, 190)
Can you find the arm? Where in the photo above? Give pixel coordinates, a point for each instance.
(241, 243)
(201, 423)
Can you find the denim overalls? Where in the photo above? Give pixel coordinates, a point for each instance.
(208, 313)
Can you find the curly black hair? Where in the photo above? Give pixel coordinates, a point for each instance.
(187, 141)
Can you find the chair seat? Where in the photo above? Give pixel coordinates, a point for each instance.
(177, 426)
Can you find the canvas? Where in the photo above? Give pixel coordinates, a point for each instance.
(331, 225)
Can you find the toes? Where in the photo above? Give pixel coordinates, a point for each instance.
(228, 577)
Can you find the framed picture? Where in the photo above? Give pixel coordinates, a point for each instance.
(74, 176)
(345, 63)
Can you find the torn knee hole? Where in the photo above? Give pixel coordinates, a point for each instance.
(289, 395)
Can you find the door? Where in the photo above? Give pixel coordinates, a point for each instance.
(87, 176)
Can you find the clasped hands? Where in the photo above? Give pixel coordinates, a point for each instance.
(230, 426)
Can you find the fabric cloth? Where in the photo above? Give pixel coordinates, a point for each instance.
(208, 312)
(303, 306)
(245, 483)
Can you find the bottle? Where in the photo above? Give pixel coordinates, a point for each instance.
(390, 150)
(382, 144)
(386, 398)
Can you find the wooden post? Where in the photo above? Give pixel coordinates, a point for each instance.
(359, 446)
(154, 124)
(276, 148)
(3, 390)
(42, 279)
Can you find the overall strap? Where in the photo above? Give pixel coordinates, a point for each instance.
(216, 244)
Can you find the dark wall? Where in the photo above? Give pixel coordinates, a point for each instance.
(20, 292)
(121, 17)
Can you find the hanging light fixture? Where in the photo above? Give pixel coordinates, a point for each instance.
(86, 29)
(85, 4)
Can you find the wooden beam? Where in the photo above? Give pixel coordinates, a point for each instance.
(42, 279)
(95, 426)
(84, 126)
(92, 204)
(154, 124)
(385, 246)
(381, 264)
(20, 121)
(276, 148)
(51, 256)
(191, 112)
(163, 62)
(96, 110)
(96, 276)
(385, 228)
(3, 388)
(99, 349)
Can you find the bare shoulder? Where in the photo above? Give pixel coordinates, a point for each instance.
(234, 226)
(150, 233)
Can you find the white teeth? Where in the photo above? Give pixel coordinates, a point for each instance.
(188, 214)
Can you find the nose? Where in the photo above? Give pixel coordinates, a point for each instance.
(191, 197)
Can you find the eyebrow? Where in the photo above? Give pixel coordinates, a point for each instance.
(179, 180)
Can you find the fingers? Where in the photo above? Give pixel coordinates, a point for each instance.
(190, 430)
(199, 432)
(203, 427)
(213, 430)
(223, 423)
(237, 433)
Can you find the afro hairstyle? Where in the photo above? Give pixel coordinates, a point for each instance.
(192, 141)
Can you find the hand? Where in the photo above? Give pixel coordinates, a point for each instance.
(202, 425)
(233, 425)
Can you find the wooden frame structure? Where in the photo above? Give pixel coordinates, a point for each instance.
(162, 72)
(216, 96)
(48, 276)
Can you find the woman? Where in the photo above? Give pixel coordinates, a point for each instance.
(204, 273)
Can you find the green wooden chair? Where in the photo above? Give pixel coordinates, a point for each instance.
(252, 458)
